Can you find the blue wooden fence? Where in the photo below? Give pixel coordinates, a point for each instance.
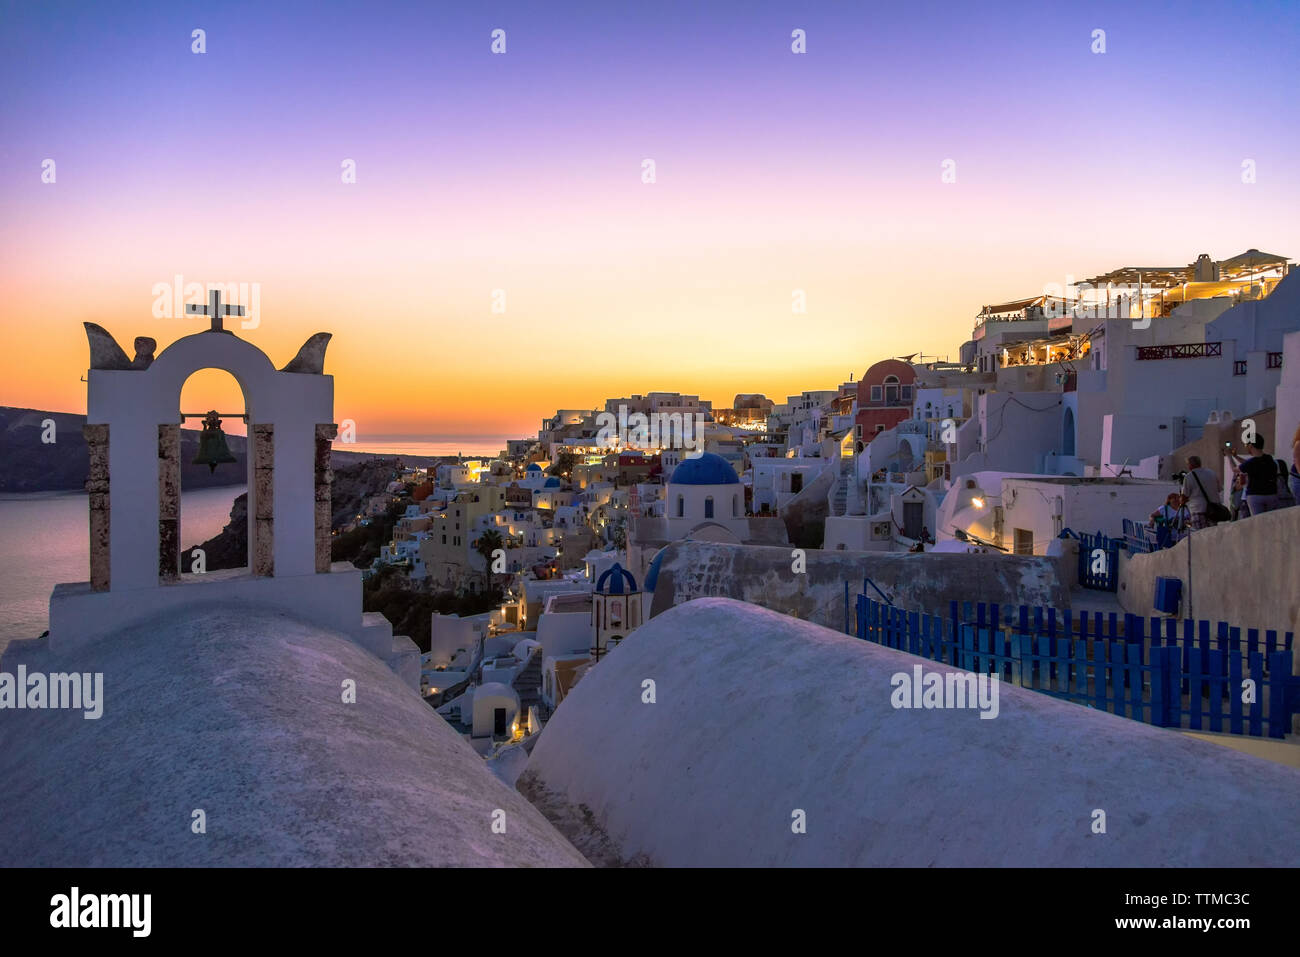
(1191, 636)
(1163, 678)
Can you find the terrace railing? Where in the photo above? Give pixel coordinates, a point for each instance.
(1182, 350)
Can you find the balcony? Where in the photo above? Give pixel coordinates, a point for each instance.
(1184, 350)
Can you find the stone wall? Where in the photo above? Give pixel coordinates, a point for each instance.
(763, 576)
(325, 434)
(169, 502)
(264, 500)
(97, 488)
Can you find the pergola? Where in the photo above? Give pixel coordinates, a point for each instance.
(1235, 269)
(1179, 283)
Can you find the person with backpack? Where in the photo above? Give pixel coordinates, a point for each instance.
(1261, 477)
(1285, 497)
(1201, 493)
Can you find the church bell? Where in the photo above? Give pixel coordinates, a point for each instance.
(213, 450)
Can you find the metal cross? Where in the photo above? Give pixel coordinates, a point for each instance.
(216, 309)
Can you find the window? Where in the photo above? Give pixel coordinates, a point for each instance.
(735, 506)
(876, 393)
(681, 506)
(708, 506)
(907, 392)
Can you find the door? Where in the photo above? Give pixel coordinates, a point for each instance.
(913, 518)
(796, 483)
(498, 720)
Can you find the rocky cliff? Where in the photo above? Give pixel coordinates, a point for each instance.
(353, 484)
(30, 463)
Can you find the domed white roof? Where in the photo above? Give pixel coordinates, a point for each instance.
(240, 712)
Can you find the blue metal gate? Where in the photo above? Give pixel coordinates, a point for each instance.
(1098, 561)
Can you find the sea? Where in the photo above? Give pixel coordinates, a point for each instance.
(45, 536)
(469, 445)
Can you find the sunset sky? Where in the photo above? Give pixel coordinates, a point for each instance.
(522, 172)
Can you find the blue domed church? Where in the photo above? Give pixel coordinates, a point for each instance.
(705, 500)
(615, 607)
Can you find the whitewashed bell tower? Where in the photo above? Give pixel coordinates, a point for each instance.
(615, 608)
(133, 424)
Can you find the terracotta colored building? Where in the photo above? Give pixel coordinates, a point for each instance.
(884, 397)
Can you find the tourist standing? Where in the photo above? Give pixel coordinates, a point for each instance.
(1261, 478)
(1170, 519)
(1238, 496)
(1200, 491)
(1295, 465)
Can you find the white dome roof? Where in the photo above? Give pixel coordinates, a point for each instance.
(238, 711)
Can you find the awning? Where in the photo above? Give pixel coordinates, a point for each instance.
(1020, 304)
(1015, 306)
(1252, 260)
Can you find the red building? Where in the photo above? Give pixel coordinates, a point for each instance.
(884, 397)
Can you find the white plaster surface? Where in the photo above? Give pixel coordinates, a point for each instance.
(758, 714)
(239, 711)
(79, 616)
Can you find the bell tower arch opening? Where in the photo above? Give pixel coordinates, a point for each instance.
(213, 472)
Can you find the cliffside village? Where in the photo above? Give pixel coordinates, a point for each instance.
(783, 566)
(1080, 411)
